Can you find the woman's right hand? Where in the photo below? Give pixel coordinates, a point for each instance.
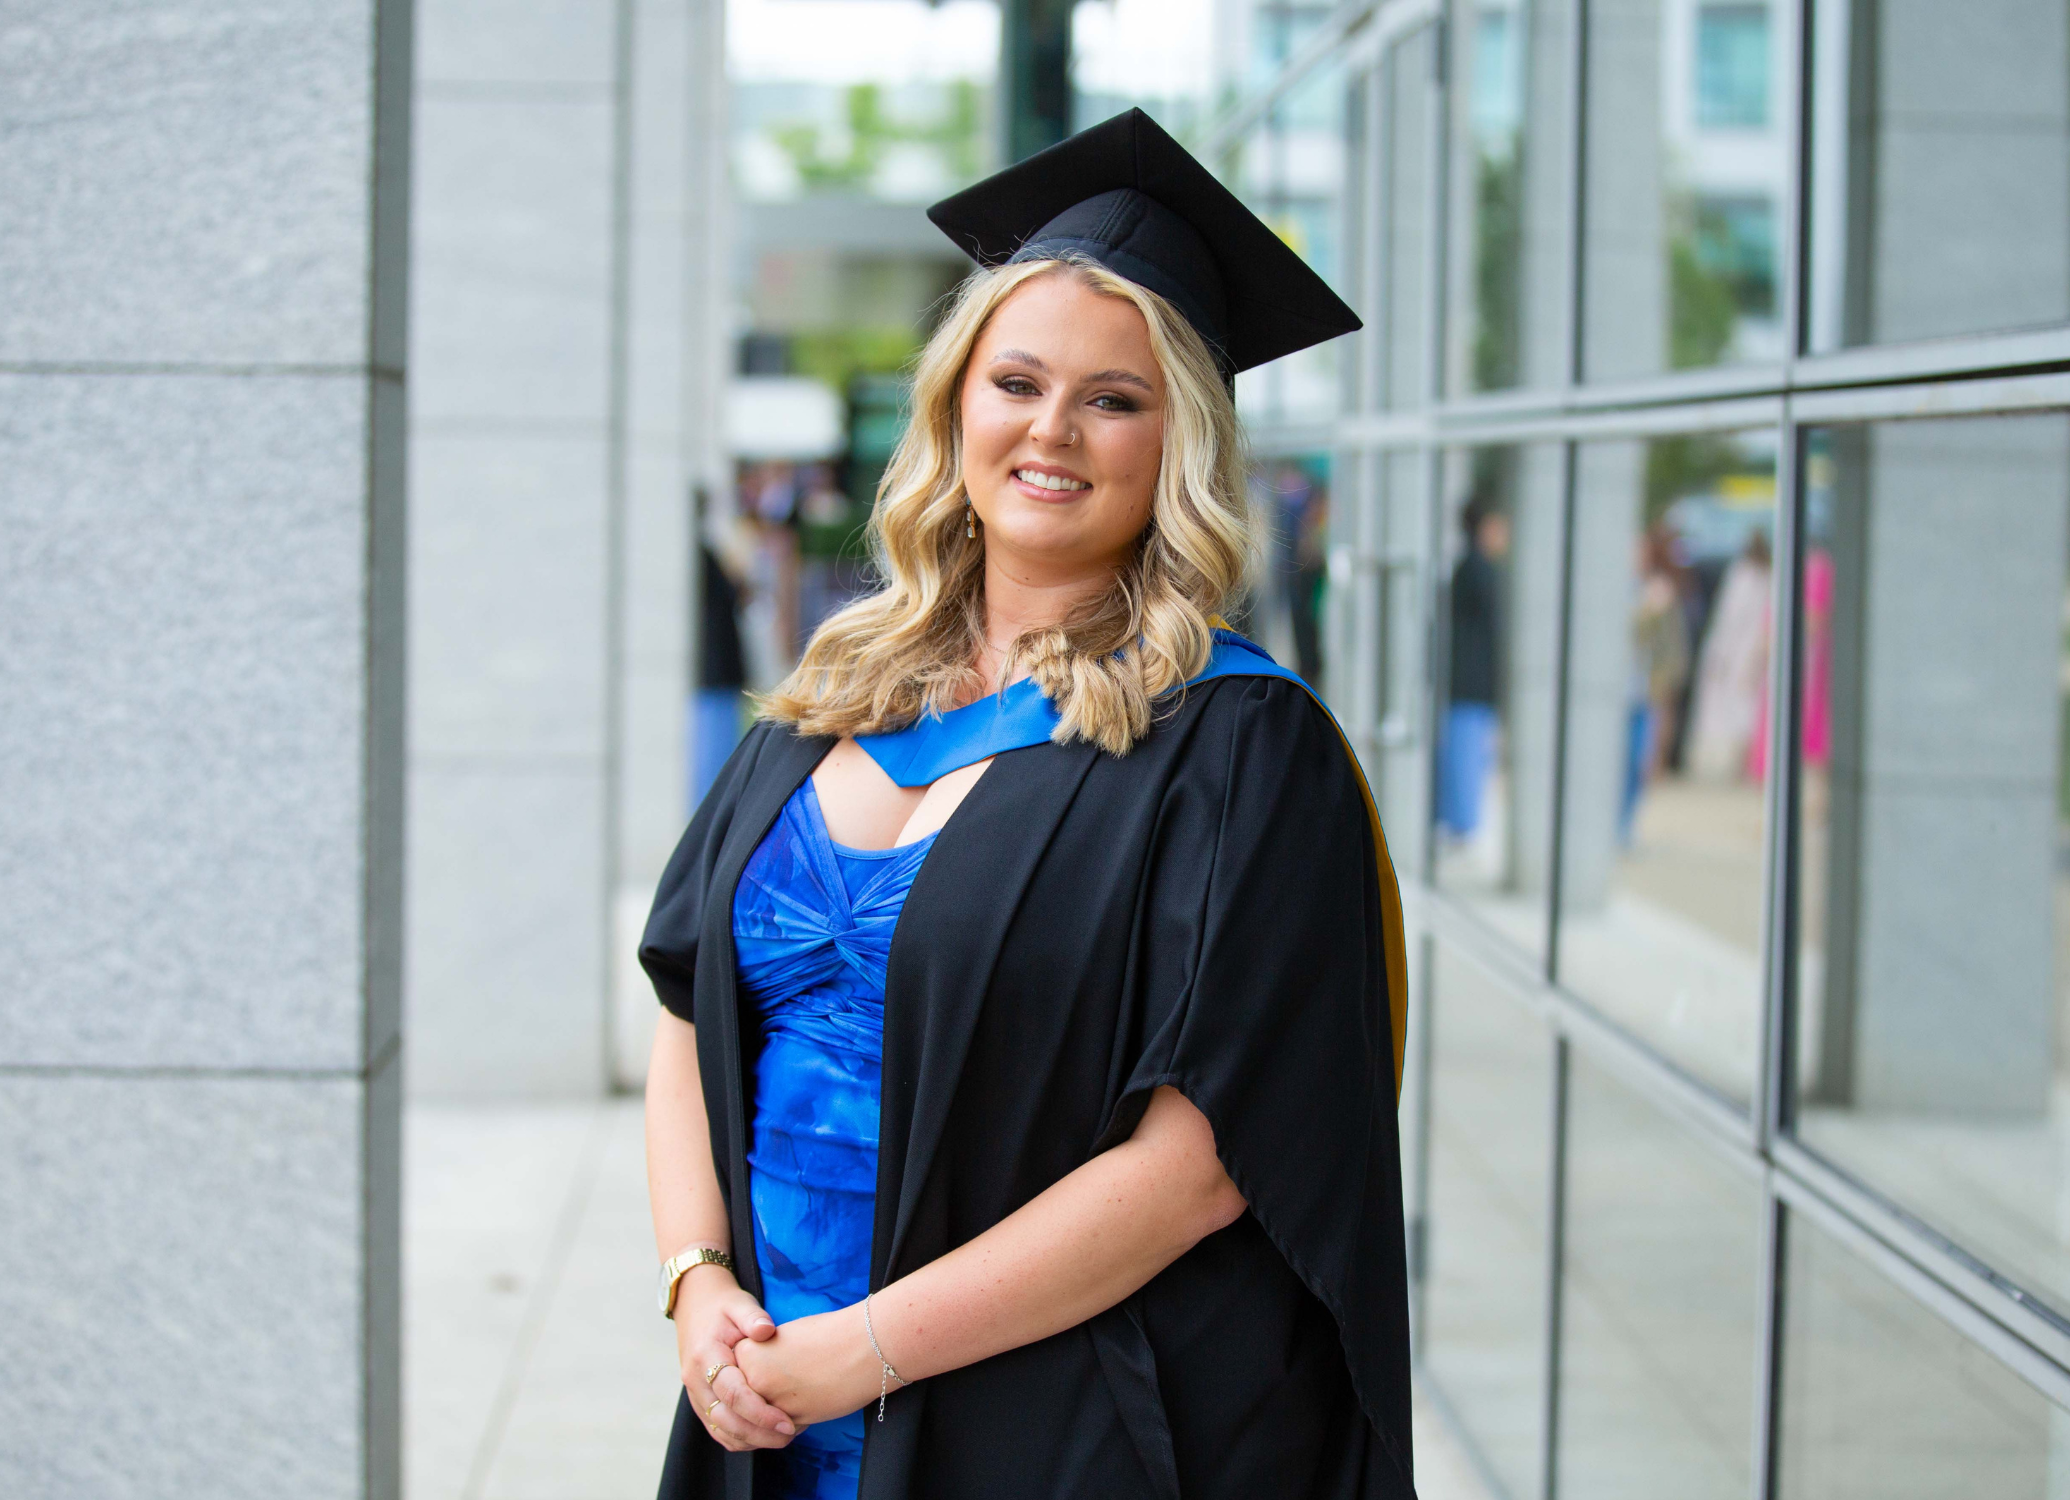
(712, 1315)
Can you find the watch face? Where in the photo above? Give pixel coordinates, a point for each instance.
(661, 1289)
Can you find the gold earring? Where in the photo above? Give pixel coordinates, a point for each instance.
(969, 518)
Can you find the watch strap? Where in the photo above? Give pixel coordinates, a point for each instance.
(687, 1259)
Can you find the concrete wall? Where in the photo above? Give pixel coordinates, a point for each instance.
(557, 287)
(201, 527)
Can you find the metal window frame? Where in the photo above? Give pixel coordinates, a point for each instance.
(1999, 372)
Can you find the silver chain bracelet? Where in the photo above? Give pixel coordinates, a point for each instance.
(884, 1380)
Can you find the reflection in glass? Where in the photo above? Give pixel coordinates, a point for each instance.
(890, 101)
(1935, 833)
(1659, 1299)
(1881, 1400)
(1405, 256)
(1402, 691)
(1496, 724)
(1291, 171)
(1511, 206)
(1661, 853)
(1292, 494)
(1687, 173)
(1484, 1291)
(1940, 190)
(1153, 55)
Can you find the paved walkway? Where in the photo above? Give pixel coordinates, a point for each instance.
(535, 1366)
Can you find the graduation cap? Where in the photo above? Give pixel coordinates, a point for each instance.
(1128, 196)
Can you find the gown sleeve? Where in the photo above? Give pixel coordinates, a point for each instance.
(1279, 1029)
(668, 948)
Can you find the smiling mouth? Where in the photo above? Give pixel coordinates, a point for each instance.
(1049, 481)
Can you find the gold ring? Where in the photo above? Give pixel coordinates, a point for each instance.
(713, 1373)
(710, 1409)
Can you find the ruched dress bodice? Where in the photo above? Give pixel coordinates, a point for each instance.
(812, 925)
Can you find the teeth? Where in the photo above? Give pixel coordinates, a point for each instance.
(1050, 481)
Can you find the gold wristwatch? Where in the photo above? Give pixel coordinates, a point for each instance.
(673, 1268)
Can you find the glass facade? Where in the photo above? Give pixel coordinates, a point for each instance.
(1695, 584)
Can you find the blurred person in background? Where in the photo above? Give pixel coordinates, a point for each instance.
(1021, 1114)
(721, 675)
(1732, 671)
(1467, 742)
(1296, 498)
(1660, 666)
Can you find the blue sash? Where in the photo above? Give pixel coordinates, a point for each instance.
(934, 745)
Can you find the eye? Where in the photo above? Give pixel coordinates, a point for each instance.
(1108, 401)
(1017, 385)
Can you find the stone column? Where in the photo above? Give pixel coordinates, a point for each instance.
(566, 251)
(1949, 541)
(1610, 481)
(1625, 269)
(201, 657)
(1530, 708)
(674, 346)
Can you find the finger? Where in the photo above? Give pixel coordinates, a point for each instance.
(753, 1323)
(745, 1403)
(729, 1428)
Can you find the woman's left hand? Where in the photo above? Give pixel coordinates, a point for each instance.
(815, 1369)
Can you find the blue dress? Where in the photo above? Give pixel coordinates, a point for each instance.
(812, 924)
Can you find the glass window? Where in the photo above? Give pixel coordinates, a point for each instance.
(1291, 171)
(1935, 833)
(1512, 214)
(1881, 1400)
(1405, 247)
(1403, 696)
(1497, 720)
(1667, 708)
(1149, 54)
(1940, 198)
(1490, 1160)
(1732, 67)
(1292, 492)
(1686, 171)
(1659, 1300)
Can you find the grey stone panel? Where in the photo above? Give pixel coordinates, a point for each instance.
(510, 302)
(1966, 546)
(1971, 133)
(507, 593)
(184, 1287)
(1625, 298)
(1955, 973)
(507, 914)
(186, 181)
(2007, 266)
(1530, 713)
(516, 41)
(183, 657)
(1947, 986)
(1994, 58)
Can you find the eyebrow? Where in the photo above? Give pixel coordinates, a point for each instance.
(1116, 377)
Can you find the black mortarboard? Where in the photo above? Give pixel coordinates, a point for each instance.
(1127, 195)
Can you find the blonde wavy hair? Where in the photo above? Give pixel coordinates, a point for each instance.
(911, 647)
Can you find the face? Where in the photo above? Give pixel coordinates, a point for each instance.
(1493, 535)
(1063, 429)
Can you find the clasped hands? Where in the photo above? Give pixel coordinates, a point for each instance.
(768, 1383)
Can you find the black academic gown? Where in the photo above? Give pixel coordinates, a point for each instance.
(1205, 912)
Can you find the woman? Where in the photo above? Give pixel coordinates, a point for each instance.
(1021, 1117)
